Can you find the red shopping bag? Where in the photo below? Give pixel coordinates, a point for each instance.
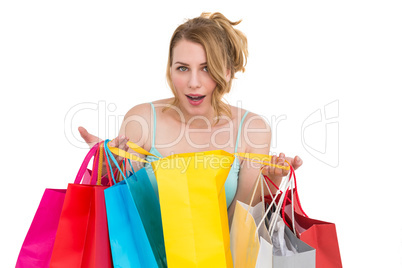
(318, 234)
(82, 238)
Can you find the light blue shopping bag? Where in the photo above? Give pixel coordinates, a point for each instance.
(132, 214)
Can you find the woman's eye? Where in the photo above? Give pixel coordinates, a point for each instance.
(182, 68)
(205, 69)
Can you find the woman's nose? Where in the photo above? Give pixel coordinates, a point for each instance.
(194, 80)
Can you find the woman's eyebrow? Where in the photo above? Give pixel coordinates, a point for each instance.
(181, 63)
(185, 64)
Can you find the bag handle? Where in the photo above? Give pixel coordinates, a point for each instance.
(292, 188)
(294, 195)
(127, 155)
(96, 174)
(109, 156)
(256, 158)
(274, 218)
(100, 163)
(260, 159)
(85, 163)
(94, 168)
(125, 167)
(295, 192)
(109, 168)
(265, 212)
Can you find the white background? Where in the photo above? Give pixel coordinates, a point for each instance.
(70, 63)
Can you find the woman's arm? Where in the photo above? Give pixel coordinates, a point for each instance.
(256, 138)
(135, 127)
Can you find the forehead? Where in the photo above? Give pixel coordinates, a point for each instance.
(189, 52)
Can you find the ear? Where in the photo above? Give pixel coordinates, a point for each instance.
(227, 75)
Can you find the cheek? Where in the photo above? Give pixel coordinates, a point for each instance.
(210, 84)
(179, 82)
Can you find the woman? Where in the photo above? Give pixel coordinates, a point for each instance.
(204, 55)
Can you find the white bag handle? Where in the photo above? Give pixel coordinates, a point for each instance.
(275, 216)
(287, 184)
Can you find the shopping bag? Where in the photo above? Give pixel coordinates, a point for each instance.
(246, 232)
(150, 212)
(318, 234)
(134, 222)
(193, 205)
(304, 255)
(264, 259)
(283, 249)
(244, 238)
(82, 237)
(38, 244)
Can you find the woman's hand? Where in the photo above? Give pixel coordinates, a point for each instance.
(91, 140)
(275, 173)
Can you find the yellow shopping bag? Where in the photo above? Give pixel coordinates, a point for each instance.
(193, 205)
(246, 230)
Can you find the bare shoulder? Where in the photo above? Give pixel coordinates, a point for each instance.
(143, 110)
(256, 134)
(137, 124)
(254, 120)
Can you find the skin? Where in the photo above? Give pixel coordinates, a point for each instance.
(189, 128)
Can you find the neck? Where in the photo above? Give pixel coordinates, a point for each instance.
(198, 121)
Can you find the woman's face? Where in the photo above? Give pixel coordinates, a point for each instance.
(193, 84)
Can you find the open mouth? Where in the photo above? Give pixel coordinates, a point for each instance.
(195, 98)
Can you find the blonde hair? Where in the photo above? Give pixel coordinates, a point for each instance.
(225, 48)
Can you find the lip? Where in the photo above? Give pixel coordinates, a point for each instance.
(195, 102)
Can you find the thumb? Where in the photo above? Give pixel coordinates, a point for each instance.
(297, 162)
(90, 139)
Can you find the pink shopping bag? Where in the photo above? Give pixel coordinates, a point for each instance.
(38, 244)
(37, 248)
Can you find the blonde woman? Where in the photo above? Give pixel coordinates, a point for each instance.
(204, 55)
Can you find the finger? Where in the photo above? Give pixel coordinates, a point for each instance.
(269, 171)
(281, 162)
(90, 139)
(264, 170)
(297, 162)
(281, 159)
(285, 172)
(123, 143)
(272, 168)
(278, 171)
(119, 142)
(115, 142)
